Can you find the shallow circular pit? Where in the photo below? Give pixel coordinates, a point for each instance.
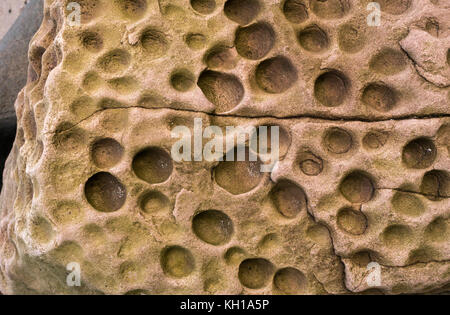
(276, 75)
(288, 198)
(331, 88)
(255, 273)
(153, 165)
(213, 227)
(357, 187)
(106, 152)
(242, 11)
(177, 262)
(419, 153)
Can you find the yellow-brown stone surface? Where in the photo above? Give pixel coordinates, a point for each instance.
(364, 121)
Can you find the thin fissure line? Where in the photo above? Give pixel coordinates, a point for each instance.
(414, 192)
(314, 117)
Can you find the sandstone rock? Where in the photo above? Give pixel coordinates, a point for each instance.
(430, 55)
(363, 175)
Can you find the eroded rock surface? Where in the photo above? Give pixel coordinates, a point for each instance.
(430, 55)
(364, 141)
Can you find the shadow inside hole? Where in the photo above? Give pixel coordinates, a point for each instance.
(7, 135)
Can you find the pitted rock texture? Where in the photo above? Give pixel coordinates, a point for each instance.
(364, 139)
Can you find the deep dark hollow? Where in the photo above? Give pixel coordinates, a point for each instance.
(7, 135)
(105, 192)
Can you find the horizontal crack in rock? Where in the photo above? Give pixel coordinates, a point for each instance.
(414, 192)
(313, 117)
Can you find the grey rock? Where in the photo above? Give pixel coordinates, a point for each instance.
(14, 56)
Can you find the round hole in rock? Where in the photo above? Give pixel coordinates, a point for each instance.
(330, 9)
(213, 227)
(114, 61)
(105, 192)
(288, 198)
(276, 75)
(153, 202)
(379, 97)
(106, 152)
(388, 62)
(177, 261)
(374, 140)
(338, 140)
(357, 187)
(295, 11)
(395, 7)
(92, 41)
(238, 177)
(223, 90)
(290, 281)
(407, 204)
(419, 153)
(397, 235)
(153, 165)
(351, 38)
(154, 42)
(352, 221)
(132, 9)
(242, 11)
(313, 39)
(265, 135)
(255, 41)
(436, 185)
(331, 88)
(310, 164)
(255, 273)
(182, 80)
(204, 6)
